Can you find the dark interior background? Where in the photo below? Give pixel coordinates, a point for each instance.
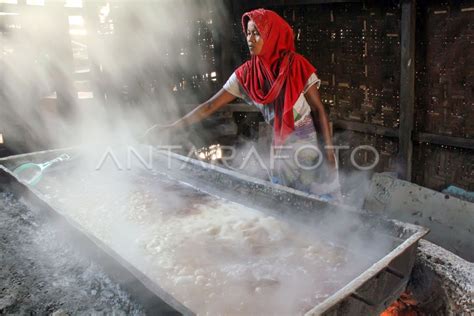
(355, 46)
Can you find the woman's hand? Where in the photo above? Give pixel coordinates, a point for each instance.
(201, 112)
(205, 109)
(153, 132)
(156, 128)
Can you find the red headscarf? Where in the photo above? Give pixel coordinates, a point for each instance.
(278, 74)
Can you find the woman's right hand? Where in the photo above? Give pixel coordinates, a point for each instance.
(156, 128)
(201, 112)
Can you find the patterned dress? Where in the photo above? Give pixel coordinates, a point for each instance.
(299, 170)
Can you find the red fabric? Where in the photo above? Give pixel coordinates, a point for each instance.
(278, 74)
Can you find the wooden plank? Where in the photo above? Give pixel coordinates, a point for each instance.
(459, 142)
(407, 87)
(366, 128)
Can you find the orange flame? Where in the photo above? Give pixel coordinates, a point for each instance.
(406, 305)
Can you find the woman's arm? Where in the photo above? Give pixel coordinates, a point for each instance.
(205, 109)
(202, 111)
(314, 100)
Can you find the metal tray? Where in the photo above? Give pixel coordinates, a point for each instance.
(368, 294)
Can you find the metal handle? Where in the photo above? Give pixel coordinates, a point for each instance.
(63, 157)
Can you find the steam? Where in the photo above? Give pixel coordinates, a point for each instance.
(149, 50)
(143, 47)
(210, 253)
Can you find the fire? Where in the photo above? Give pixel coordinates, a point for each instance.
(406, 305)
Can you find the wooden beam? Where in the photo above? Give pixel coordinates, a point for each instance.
(276, 3)
(21, 6)
(224, 57)
(459, 142)
(239, 107)
(94, 74)
(366, 128)
(230, 107)
(407, 87)
(61, 77)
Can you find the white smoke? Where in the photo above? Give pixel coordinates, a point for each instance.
(147, 48)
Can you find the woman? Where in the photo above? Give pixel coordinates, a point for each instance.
(284, 86)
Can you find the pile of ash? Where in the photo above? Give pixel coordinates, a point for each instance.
(42, 274)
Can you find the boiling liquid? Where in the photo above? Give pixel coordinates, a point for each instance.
(213, 255)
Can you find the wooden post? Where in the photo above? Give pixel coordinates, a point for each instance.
(223, 41)
(94, 41)
(62, 61)
(407, 87)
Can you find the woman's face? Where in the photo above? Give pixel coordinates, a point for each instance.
(254, 40)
